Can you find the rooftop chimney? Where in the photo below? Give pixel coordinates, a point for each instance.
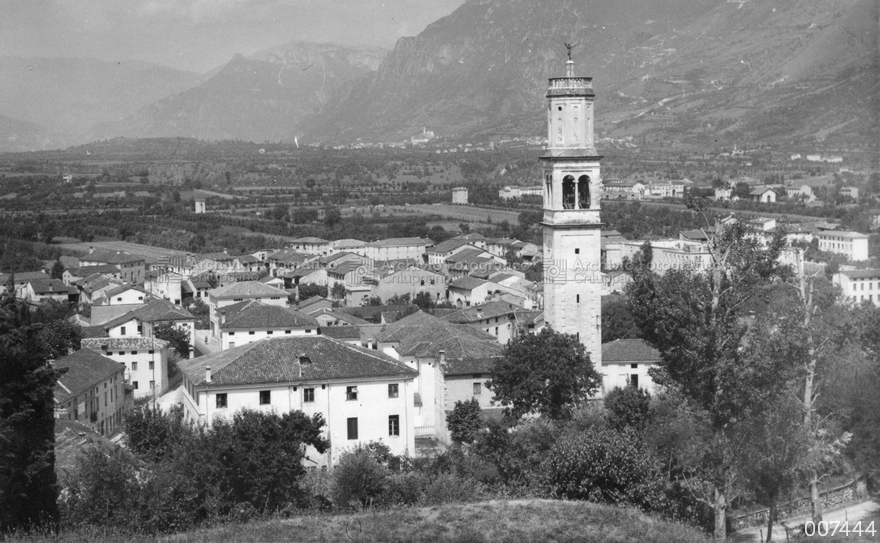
(441, 357)
(207, 374)
(91, 249)
(479, 313)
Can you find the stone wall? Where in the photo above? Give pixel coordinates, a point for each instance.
(831, 499)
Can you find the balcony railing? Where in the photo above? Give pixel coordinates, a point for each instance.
(424, 431)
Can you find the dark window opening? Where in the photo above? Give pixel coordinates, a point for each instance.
(568, 192)
(393, 425)
(308, 395)
(265, 397)
(392, 391)
(221, 401)
(353, 428)
(351, 393)
(584, 192)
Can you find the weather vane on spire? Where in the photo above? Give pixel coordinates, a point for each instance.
(569, 47)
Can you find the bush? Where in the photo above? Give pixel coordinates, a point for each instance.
(628, 407)
(465, 420)
(358, 479)
(605, 466)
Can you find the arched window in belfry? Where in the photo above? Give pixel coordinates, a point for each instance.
(568, 192)
(583, 192)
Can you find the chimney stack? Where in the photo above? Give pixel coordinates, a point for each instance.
(207, 374)
(441, 357)
(91, 249)
(479, 313)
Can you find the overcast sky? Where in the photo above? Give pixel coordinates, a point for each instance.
(202, 34)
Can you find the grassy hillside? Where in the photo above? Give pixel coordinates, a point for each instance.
(495, 521)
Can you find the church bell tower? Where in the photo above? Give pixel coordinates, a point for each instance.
(572, 228)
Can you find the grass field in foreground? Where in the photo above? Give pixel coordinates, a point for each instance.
(496, 521)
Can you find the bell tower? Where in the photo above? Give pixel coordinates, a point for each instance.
(572, 228)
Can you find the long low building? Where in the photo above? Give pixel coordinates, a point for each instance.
(859, 285)
(363, 395)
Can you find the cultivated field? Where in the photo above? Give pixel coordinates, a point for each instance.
(462, 213)
(147, 251)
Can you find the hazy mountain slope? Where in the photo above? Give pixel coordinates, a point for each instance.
(685, 66)
(18, 135)
(69, 96)
(264, 97)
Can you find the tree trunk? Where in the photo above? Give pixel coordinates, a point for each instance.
(720, 513)
(771, 516)
(815, 500)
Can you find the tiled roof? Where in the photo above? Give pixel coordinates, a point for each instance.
(290, 255)
(277, 361)
(256, 315)
(124, 343)
(123, 288)
(311, 301)
(861, 274)
(112, 257)
(50, 286)
(310, 240)
(82, 271)
(344, 317)
(400, 242)
(104, 313)
(247, 288)
(465, 254)
(473, 236)
(94, 331)
(425, 335)
(629, 350)
(341, 332)
(467, 283)
(74, 439)
(155, 311)
(449, 245)
(348, 243)
(839, 234)
(466, 366)
(217, 257)
(85, 369)
(488, 311)
(24, 277)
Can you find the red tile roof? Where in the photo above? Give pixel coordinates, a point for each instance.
(278, 361)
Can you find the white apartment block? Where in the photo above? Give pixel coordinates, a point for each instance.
(853, 245)
(859, 285)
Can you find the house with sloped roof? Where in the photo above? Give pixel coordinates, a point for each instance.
(21, 279)
(289, 259)
(763, 194)
(249, 321)
(73, 274)
(859, 285)
(395, 249)
(132, 267)
(92, 288)
(438, 254)
(91, 391)
(141, 321)
(312, 246)
(428, 344)
(362, 395)
(145, 360)
(625, 362)
(40, 291)
(314, 304)
(125, 295)
(503, 320)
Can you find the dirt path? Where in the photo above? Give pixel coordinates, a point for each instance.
(851, 513)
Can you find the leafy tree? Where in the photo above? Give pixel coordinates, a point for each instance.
(28, 484)
(424, 301)
(548, 373)
(372, 301)
(692, 318)
(337, 292)
(202, 313)
(627, 407)
(176, 336)
(465, 420)
(617, 320)
(153, 434)
(308, 290)
(57, 271)
(332, 217)
(60, 337)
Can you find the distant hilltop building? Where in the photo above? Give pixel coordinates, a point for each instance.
(518, 192)
(423, 138)
(460, 195)
(814, 157)
(199, 200)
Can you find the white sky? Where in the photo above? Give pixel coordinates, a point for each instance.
(200, 35)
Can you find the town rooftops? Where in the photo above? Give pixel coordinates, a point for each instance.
(85, 368)
(757, 191)
(280, 360)
(24, 277)
(400, 242)
(50, 286)
(290, 255)
(247, 289)
(482, 312)
(470, 365)
(307, 303)
(112, 257)
(629, 350)
(342, 333)
(124, 288)
(843, 234)
(251, 314)
(124, 343)
(869, 273)
(81, 271)
(449, 245)
(424, 335)
(311, 240)
(467, 283)
(472, 236)
(342, 244)
(155, 311)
